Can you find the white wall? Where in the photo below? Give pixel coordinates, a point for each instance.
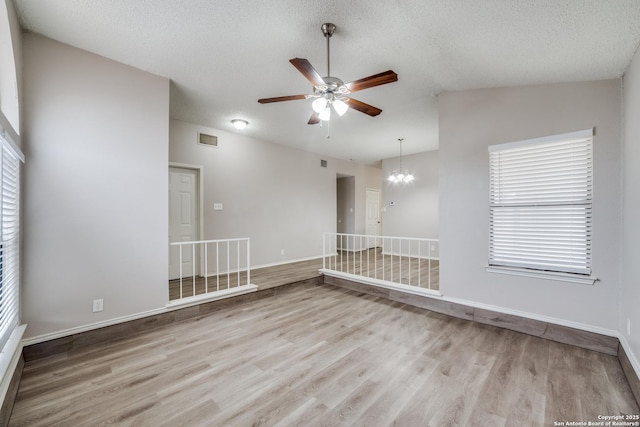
(95, 187)
(278, 196)
(415, 213)
(470, 121)
(630, 293)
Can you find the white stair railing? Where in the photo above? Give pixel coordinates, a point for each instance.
(207, 266)
(384, 260)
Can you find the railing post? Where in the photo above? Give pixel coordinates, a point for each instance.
(248, 262)
(206, 269)
(193, 269)
(324, 254)
(180, 261)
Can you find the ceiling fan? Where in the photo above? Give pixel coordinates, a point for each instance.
(331, 91)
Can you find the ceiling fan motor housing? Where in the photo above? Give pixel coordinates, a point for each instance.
(328, 29)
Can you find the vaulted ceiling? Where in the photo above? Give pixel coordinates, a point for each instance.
(222, 55)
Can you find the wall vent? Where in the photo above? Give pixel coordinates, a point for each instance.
(323, 163)
(209, 140)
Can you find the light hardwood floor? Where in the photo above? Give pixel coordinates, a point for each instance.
(322, 356)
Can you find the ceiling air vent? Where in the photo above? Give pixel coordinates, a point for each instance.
(209, 140)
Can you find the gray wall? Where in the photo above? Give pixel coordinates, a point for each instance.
(415, 213)
(95, 188)
(630, 295)
(279, 197)
(470, 121)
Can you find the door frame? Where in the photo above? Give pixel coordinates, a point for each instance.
(199, 169)
(378, 243)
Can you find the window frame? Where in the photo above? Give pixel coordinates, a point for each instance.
(11, 158)
(523, 205)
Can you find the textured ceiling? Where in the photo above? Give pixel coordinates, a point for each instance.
(222, 55)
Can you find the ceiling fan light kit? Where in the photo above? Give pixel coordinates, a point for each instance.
(330, 92)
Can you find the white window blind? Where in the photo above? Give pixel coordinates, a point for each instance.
(9, 238)
(540, 203)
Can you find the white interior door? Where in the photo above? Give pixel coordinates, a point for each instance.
(374, 226)
(183, 220)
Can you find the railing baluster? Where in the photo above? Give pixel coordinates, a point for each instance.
(375, 257)
(228, 269)
(180, 261)
(429, 250)
(248, 262)
(360, 255)
(193, 268)
(238, 261)
(419, 264)
(217, 266)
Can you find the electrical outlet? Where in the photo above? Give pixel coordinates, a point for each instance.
(98, 305)
(281, 251)
(628, 326)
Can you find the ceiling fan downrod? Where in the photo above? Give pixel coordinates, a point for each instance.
(328, 29)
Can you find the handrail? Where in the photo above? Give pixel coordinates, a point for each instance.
(209, 241)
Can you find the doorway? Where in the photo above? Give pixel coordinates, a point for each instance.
(346, 192)
(184, 219)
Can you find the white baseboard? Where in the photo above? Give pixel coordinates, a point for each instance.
(437, 295)
(290, 261)
(535, 316)
(199, 299)
(211, 296)
(91, 326)
(410, 289)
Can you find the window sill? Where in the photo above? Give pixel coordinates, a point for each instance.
(550, 275)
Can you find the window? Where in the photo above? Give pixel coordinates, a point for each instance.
(10, 157)
(540, 194)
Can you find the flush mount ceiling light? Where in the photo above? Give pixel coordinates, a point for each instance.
(401, 175)
(239, 123)
(331, 91)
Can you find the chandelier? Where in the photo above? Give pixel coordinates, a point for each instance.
(401, 175)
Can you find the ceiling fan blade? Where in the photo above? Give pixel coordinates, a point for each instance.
(314, 119)
(376, 80)
(281, 98)
(362, 107)
(308, 71)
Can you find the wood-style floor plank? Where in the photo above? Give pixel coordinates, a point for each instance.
(322, 356)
